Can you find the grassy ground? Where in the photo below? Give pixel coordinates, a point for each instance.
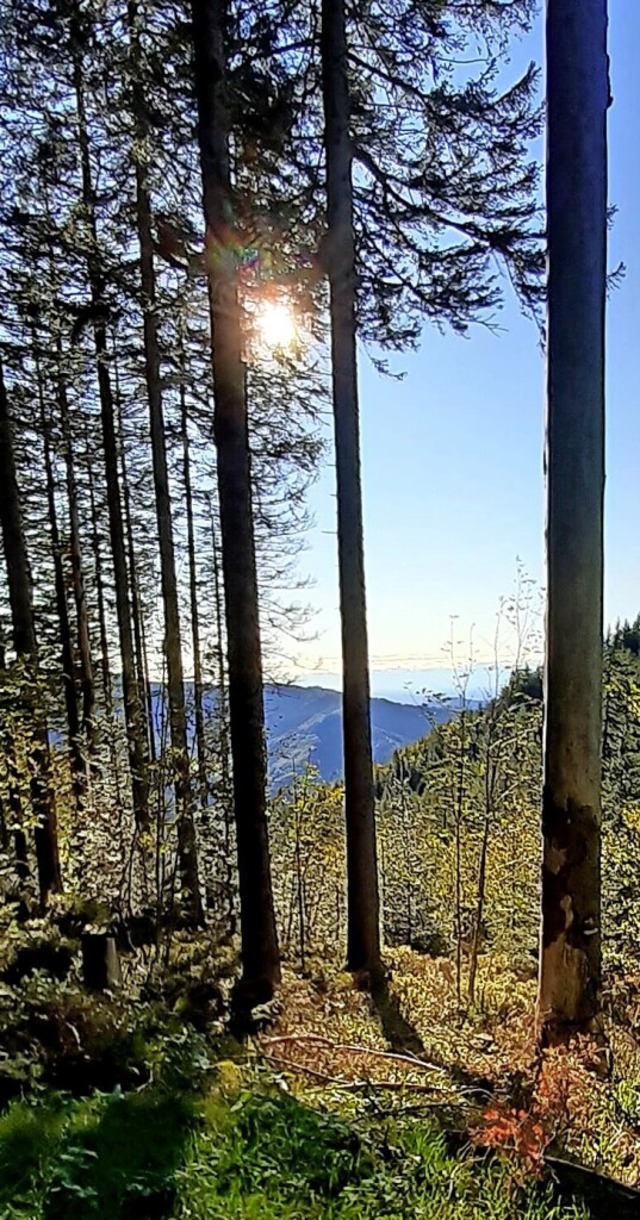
(250, 1153)
(399, 1105)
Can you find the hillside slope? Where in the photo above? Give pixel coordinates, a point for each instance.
(305, 724)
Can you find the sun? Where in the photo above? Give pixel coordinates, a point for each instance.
(276, 325)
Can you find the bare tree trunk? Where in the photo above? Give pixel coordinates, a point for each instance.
(133, 710)
(187, 849)
(201, 749)
(14, 800)
(24, 641)
(145, 694)
(363, 934)
(87, 683)
(225, 794)
(458, 797)
(260, 955)
(577, 99)
(76, 754)
(97, 564)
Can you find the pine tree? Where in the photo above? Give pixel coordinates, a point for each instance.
(25, 646)
(577, 100)
(260, 956)
(363, 937)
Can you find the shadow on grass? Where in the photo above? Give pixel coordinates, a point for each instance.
(113, 1157)
(404, 1039)
(400, 1033)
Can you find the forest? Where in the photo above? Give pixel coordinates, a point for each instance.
(414, 992)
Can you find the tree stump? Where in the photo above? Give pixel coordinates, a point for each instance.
(100, 962)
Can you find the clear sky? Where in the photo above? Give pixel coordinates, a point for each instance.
(452, 455)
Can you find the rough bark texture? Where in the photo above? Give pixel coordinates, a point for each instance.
(24, 642)
(260, 956)
(363, 944)
(187, 850)
(577, 99)
(133, 710)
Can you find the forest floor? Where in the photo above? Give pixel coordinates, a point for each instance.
(343, 1105)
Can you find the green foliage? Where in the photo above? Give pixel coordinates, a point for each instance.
(458, 817)
(236, 1155)
(268, 1156)
(110, 1156)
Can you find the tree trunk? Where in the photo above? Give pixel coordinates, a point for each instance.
(363, 935)
(87, 683)
(76, 754)
(100, 594)
(145, 696)
(577, 99)
(24, 641)
(100, 962)
(222, 714)
(187, 849)
(260, 955)
(14, 799)
(201, 749)
(133, 710)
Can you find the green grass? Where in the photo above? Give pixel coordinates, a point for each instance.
(259, 1155)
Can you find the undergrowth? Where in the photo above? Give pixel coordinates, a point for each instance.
(241, 1153)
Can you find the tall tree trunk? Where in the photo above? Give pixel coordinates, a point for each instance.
(577, 99)
(76, 754)
(260, 955)
(145, 694)
(222, 715)
(14, 800)
(87, 684)
(133, 710)
(24, 642)
(187, 848)
(99, 582)
(201, 749)
(363, 934)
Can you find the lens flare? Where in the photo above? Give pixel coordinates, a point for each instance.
(276, 325)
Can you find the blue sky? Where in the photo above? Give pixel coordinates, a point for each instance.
(452, 455)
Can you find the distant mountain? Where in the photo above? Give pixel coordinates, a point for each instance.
(304, 723)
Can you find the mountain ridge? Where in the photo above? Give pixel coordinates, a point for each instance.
(304, 725)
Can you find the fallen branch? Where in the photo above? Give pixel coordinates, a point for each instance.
(353, 1086)
(354, 1048)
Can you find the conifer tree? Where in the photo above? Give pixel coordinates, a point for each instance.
(576, 192)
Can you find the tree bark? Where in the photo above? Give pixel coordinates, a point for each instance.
(577, 100)
(100, 962)
(87, 683)
(260, 955)
(24, 642)
(187, 849)
(201, 749)
(145, 696)
(14, 799)
(97, 563)
(133, 710)
(76, 754)
(363, 934)
(222, 716)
